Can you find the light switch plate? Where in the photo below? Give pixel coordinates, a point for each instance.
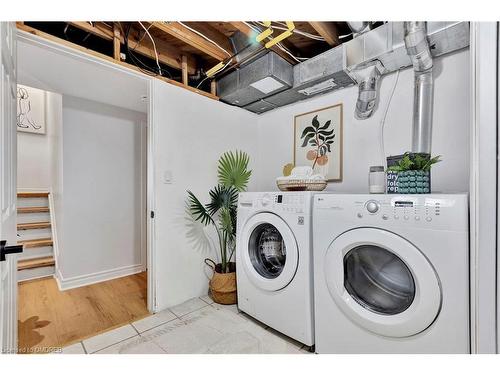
(167, 177)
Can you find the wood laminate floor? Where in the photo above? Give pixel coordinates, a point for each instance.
(51, 318)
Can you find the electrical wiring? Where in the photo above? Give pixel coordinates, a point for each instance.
(154, 46)
(220, 71)
(151, 71)
(382, 121)
(204, 37)
(297, 31)
(279, 45)
(142, 37)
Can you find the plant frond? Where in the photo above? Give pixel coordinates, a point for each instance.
(221, 197)
(233, 170)
(199, 212)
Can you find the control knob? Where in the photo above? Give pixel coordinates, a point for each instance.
(372, 206)
(266, 199)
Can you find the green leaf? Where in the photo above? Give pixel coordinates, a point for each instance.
(326, 133)
(308, 130)
(233, 170)
(221, 197)
(327, 124)
(315, 122)
(307, 139)
(199, 212)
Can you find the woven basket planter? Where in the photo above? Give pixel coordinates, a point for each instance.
(222, 286)
(413, 182)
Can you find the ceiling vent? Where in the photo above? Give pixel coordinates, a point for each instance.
(262, 77)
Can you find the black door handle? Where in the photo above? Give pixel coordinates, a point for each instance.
(4, 250)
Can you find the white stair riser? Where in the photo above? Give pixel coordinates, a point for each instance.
(32, 202)
(36, 252)
(35, 273)
(33, 217)
(33, 234)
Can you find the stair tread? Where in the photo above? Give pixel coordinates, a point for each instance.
(32, 194)
(34, 225)
(35, 263)
(27, 210)
(38, 242)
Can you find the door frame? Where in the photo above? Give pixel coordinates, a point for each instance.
(484, 193)
(150, 150)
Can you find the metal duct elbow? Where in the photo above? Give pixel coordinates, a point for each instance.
(359, 27)
(419, 51)
(367, 79)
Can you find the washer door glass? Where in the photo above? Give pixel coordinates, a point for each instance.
(378, 280)
(267, 251)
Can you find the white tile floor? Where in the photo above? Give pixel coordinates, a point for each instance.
(196, 326)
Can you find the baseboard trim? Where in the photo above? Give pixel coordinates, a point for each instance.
(97, 277)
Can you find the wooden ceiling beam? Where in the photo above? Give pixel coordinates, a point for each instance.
(78, 47)
(327, 30)
(96, 29)
(189, 37)
(166, 54)
(245, 29)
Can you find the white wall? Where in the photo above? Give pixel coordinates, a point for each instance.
(361, 138)
(103, 208)
(191, 132)
(34, 151)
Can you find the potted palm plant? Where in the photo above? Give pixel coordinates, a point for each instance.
(220, 213)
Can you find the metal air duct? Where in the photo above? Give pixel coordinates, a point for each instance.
(367, 78)
(418, 49)
(384, 46)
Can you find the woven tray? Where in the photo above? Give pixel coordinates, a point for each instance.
(301, 185)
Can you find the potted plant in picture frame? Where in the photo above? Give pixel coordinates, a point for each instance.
(220, 213)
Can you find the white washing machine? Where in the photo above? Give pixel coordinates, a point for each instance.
(391, 273)
(274, 263)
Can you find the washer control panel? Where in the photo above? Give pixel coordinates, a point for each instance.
(277, 202)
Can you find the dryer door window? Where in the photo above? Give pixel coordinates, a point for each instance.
(382, 282)
(267, 251)
(378, 280)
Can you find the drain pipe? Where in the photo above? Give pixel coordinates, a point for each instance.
(418, 50)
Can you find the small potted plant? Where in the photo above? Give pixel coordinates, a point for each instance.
(220, 213)
(413, 173)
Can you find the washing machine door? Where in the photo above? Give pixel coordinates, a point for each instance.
(382, 282)
(269, 251)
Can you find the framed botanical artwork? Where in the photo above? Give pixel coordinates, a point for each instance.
(30, 110)
(318, 141)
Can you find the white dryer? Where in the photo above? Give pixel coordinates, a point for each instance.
(391, 273)
(274, 263)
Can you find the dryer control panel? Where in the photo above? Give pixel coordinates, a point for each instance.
(439, 211)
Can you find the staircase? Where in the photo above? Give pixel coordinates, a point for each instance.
(34, 231)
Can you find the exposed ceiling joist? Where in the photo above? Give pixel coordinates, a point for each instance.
(166, 54)
(245, 29)
(189, 37)
(77, 47)
(327, 30)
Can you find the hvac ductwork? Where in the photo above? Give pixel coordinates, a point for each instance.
(339, 67)
(418, 49)
(367, 78)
